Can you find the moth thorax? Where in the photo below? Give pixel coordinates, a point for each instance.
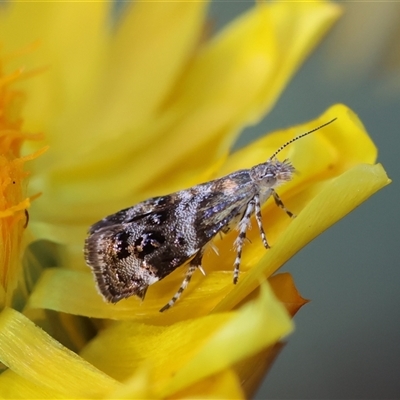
(272, 173)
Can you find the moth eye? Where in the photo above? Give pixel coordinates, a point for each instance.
(148, 243)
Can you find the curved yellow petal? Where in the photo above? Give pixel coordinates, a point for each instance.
(237, 78)
(36, 357)
(337, 199)
(138, 386)
(252, 371)
(286, 292)
(223, 385)
(13, 386)
(323, 154)
(259, 324)
(192, 344)
(54, 288)
(151, 47)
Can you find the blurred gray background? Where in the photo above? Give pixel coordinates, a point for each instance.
(347, 343)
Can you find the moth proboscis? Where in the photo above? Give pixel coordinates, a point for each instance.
(130, 250)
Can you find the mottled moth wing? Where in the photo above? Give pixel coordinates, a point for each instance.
(134, 213)
(222, 203)
(127, 250)
(138, 246)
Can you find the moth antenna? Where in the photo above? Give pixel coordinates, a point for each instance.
(299, 137)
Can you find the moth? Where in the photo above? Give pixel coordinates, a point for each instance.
(132, 249)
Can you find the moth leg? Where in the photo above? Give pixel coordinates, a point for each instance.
(259, 221)
(194, 264)
(142, 293)
(243, 225)
(200, 268)
(280, 204)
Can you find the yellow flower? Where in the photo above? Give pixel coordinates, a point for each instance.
(13, 200)
(143, 108)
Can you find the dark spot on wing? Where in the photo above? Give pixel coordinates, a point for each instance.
(181, 241)
(148, 243)
(122, 239)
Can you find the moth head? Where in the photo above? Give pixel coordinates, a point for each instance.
(273, 173)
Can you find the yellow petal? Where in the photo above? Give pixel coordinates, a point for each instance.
(138, 386)
(123, 71)
(223, 385)
(233, 81)
(152, 44)
(262, 323)
(323, 154)
(34, 356)
(54, 288)
(192, 344)
(286, 292)
(66, 34)
(337, 199)
(253, 370)
(14, 386)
